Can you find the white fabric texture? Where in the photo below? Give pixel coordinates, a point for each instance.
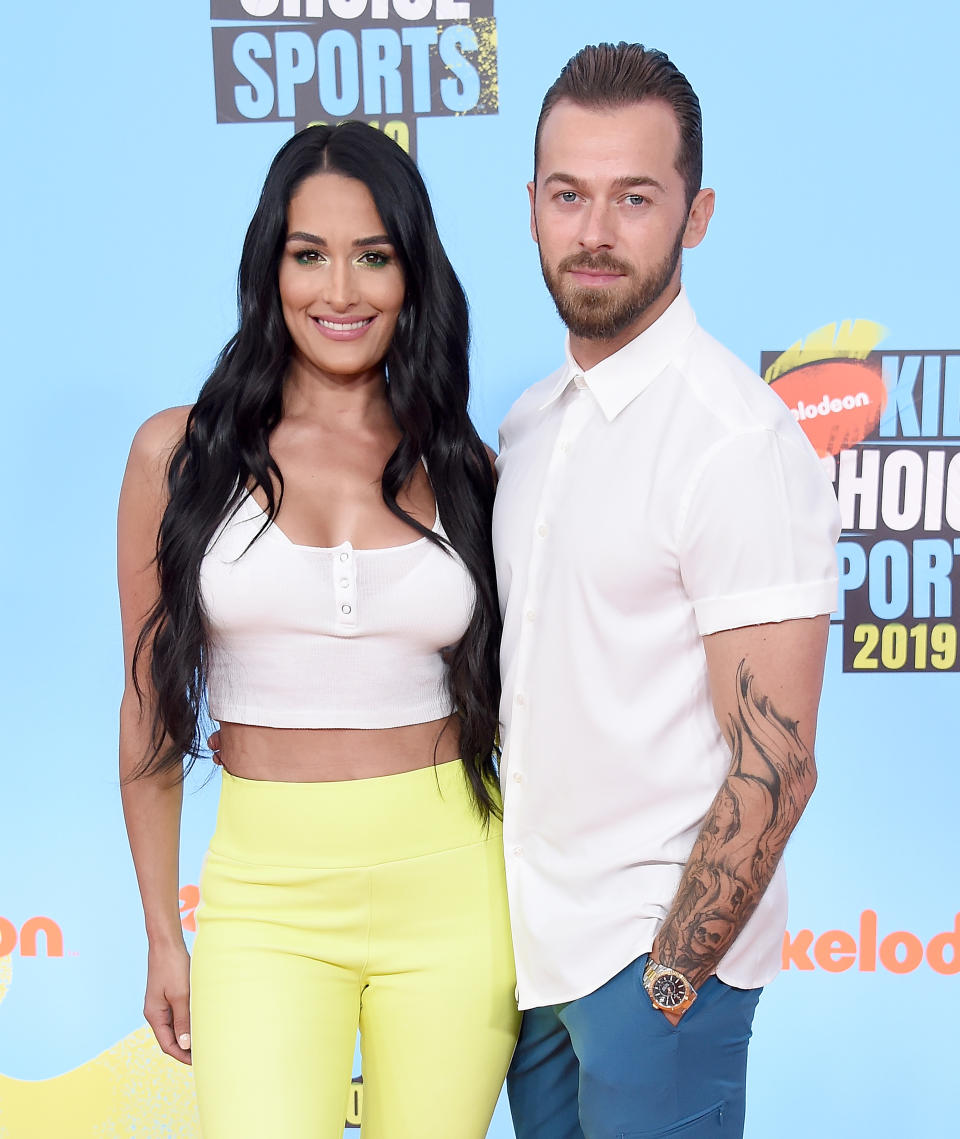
(310, 637)
(663, 495)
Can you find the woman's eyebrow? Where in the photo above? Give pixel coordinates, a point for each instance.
(360, 242)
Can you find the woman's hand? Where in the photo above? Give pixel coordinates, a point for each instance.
(213, 743)
(167, 1002)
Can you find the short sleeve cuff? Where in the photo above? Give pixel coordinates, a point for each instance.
(784, 603)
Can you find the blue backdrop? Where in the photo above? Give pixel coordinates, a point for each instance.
(830, 137)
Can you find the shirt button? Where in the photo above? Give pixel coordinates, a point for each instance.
(347, 609)
(542, 530)
(521, 699)
(530, 615)
(344, 583)
(564, 447)
(518, 851)
(344, 557)
(517, 777)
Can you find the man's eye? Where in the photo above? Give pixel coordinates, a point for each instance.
(567, 196)
(635, 199)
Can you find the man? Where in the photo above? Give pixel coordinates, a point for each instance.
(664, 538)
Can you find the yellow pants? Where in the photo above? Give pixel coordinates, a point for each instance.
(377, 903)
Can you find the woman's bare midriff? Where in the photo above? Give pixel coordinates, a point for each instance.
(319, 755)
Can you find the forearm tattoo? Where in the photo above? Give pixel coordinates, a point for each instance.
(742, 836)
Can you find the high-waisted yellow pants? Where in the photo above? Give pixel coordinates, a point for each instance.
(377, 903)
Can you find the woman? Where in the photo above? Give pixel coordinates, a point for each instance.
(307, 551)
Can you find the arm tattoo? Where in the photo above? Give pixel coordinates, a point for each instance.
(742, 836)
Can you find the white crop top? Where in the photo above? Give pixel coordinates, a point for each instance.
(312, 637)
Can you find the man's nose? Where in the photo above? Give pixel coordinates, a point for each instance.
(598, 231)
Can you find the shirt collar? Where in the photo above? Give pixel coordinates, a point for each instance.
(619, 379)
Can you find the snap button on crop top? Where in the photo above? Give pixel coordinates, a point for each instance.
(311, 637)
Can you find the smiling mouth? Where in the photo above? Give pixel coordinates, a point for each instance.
(343, 325)
(343, 330)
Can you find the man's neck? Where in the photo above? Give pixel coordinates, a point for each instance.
(589, 353)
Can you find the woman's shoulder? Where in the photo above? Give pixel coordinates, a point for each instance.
(153, 444)
(143, 491)
(157, 437)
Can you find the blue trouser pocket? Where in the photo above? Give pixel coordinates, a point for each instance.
(702, 1125)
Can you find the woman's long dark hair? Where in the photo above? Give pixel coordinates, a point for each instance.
(225, 448)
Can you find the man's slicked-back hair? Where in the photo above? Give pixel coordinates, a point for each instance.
(607, 76)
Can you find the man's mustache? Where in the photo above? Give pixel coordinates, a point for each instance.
(596, 263)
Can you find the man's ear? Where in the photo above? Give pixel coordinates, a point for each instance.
(701, 211)
(532, 193)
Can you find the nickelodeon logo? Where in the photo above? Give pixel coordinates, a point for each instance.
(828, 406)
(832, 383)
(836, 951)
(26, 938)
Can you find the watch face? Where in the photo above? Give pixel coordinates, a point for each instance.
(669, 990)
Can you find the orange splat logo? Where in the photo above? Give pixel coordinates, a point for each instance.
(833, 385)
(189, 900)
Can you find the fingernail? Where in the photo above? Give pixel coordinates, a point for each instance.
(184, 1040)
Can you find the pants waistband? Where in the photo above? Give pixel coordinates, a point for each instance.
(353, 822)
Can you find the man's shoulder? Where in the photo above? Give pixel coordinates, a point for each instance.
(527, 404)
(729, 390)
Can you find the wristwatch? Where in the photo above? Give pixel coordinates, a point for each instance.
(668, 989)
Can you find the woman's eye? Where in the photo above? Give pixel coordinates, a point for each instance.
(375, 258)
(308, 256)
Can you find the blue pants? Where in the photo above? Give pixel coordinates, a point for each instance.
(610, 1066)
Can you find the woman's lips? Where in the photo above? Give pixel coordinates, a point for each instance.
(335, 329)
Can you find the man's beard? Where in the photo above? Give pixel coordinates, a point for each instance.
(597, 313)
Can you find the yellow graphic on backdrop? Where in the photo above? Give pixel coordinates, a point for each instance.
(130, 1089)
(848, 340)
(485, 28)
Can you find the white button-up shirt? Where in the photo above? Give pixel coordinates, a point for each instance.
(660, 496)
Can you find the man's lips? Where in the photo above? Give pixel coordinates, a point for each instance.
(338, 328)
(593, 278)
